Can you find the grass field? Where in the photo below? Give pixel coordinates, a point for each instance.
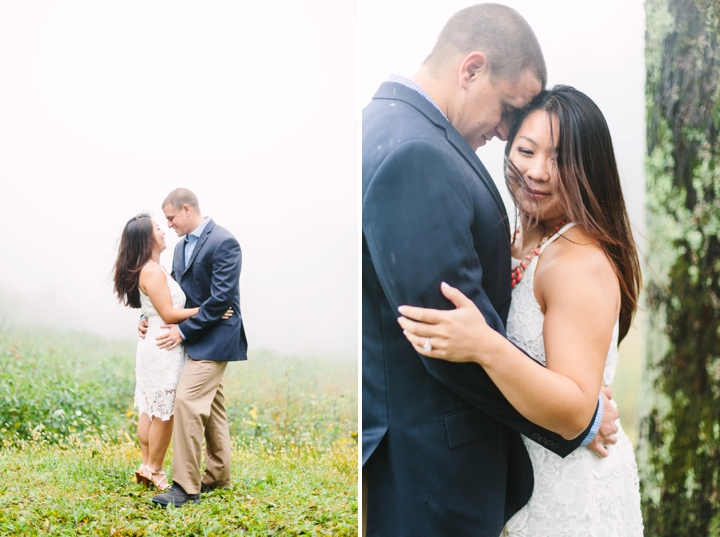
(69, 453)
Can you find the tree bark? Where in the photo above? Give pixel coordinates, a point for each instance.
(679, 447)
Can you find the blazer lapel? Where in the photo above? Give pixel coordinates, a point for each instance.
(397, 91)
(199, 244)
(457, 141)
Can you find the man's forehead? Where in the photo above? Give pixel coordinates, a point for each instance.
(520, 90)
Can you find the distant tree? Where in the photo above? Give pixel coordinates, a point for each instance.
(679, 447)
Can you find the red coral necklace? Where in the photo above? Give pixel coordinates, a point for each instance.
(519, 269)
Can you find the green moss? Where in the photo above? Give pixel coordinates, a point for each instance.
(678, 452)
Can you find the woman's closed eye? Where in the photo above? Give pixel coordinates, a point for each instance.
(524, 151)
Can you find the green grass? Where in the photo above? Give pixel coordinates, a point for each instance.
(293, 420)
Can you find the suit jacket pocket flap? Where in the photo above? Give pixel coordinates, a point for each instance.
(467, 425)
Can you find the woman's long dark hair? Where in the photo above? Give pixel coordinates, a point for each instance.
(588, 184)
(136, 246)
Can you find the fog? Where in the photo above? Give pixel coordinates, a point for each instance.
(597, 47)
(106, 107)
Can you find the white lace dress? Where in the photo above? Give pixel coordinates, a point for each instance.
(158, 371)
(582, 494)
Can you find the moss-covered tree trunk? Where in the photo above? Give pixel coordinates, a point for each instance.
(679, 451)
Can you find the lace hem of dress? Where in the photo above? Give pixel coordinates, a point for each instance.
(161, 406)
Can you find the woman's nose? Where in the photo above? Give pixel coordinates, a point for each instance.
(540, 170)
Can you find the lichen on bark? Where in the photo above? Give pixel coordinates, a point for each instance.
(679, 447)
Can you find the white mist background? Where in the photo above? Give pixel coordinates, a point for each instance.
(106, 107)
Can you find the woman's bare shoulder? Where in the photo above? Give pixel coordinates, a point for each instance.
(575, 261)
(150, 269)
(151, 274)
(577, 250)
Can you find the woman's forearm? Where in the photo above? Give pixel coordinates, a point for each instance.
(177, 315)
(562, 397)
(544, 397)
(153, 283)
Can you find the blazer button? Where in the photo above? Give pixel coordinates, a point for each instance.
(542, 440)
(536, 436)
(549, 444)
(556, 446)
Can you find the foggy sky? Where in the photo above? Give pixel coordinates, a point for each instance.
(106, 107)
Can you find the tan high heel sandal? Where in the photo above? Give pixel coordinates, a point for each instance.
(161, 483)
(140, 477)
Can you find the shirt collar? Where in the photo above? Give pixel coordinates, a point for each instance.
(414, 86)
(198, 230)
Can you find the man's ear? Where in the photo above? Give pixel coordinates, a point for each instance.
(474, 65)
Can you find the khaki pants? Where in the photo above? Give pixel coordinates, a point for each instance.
(200, 413)
(365, 487)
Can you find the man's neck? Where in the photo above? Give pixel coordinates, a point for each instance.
(433, 87)
(196, 221)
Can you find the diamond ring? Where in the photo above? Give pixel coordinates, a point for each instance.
(427, 347)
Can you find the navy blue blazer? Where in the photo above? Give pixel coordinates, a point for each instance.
(211, 280)
(440, 443)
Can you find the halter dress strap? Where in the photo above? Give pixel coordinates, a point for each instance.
(556, 235)
(163, 268)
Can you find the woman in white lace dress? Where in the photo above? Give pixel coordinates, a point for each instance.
(141, 282)
(574, 295)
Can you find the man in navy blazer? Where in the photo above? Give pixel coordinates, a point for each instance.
(440, 445)
(207, 266)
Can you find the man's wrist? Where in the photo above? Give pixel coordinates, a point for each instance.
(596, 423)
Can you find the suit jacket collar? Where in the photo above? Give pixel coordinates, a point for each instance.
(180, 254)
(400, 92)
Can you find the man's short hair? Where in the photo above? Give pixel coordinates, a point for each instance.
(498, 31)
(182, 196)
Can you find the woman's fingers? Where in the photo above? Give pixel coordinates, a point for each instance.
(410, 326)
(425, 315)
(431, 316)
(419, 342)
(418, 328)
(420, 334)
(420, 349)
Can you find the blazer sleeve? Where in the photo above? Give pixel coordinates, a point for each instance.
(418, 212)
(224, 285)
